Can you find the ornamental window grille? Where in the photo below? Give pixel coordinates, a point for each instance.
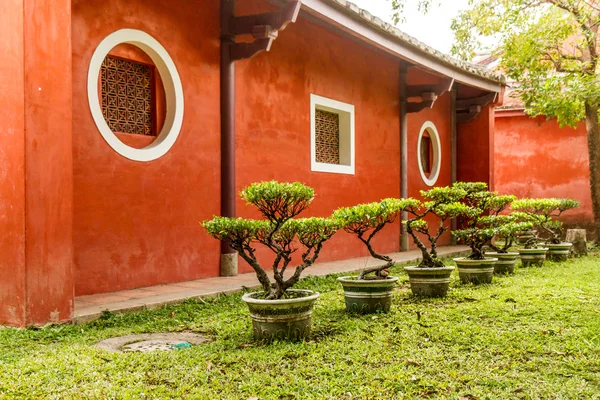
(327, 137)
(426, 154)
(127, 96)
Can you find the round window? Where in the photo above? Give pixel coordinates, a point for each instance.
(429, 153)
(135, 95)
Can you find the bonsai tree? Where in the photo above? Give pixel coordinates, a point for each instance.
(445, 204)
(279, 203)
(366, 221)
(544, 214)
(508, 227)
(484, 224)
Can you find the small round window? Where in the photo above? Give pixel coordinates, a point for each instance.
(135, 95)
(429, 153)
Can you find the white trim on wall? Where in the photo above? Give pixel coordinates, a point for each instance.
(436, 145)
(347, 135)
(173, 94)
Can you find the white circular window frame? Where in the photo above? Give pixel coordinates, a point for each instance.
(436, 145)
(173, 94)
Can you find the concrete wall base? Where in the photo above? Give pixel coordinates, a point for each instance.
(229, 264)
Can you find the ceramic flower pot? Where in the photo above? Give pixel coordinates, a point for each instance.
(559, 252)
(533, 257)
(286, 319)
(367, 296)
(429, 282)
(506, 262)
(476, 271)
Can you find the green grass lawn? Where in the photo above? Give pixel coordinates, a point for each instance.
(535, 335)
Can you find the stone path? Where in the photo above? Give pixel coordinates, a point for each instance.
(88, 308)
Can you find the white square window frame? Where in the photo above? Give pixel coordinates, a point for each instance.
(347, 135)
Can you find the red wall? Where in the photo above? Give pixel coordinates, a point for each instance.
(48, 174)
(538, 158)
(12, 165)
(136, 224)
(474, 144)
(273, 123)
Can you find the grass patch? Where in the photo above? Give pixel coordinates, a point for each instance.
(535, 335)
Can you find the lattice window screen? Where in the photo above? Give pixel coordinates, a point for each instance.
(327, 137)
(426, 154)
(127, 96)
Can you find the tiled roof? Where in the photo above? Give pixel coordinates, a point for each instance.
(378, 23)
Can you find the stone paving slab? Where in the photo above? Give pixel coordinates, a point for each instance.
(89, 308)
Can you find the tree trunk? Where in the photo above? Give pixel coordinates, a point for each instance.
(593, 135)
(578, 238)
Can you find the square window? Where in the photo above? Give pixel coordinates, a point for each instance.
(332, 136)
(127, 96)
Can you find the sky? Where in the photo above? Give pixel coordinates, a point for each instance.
(432, 29)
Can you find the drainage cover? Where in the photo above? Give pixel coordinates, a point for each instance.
(147, 342)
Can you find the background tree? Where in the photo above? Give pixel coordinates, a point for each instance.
(551, 48)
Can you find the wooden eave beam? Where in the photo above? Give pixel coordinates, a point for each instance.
(468, 116)
(412, 108)
(439, 89)
(428, 93)
(477, 101)
(277, 20)
(264, 28)
(242, 51)
(473, 107)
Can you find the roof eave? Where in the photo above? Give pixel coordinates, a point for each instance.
(337, 14)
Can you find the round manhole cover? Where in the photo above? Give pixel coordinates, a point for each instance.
(147, 342)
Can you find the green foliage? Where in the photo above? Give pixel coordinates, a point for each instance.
(544, 207)
(452, 210)
(364, 217)
(279, 201)
(543, 213)
(444, 203)
(480, 228)
(475, 235)
(372, 217)
(423, 6)
(444, 195)
(471, 187)
(313, 231)
(236, 230)
(507, 226)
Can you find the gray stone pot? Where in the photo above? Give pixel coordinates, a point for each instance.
(288, 319)
(559, 252)
(476, 271)
(506, 262)
(533, 257)
(429, 282)
(367, 296)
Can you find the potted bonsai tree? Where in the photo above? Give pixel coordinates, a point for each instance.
(372, 290)
(479, 230)
(278, 311)
(508, 228)
(545, 213)
(431, 278)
